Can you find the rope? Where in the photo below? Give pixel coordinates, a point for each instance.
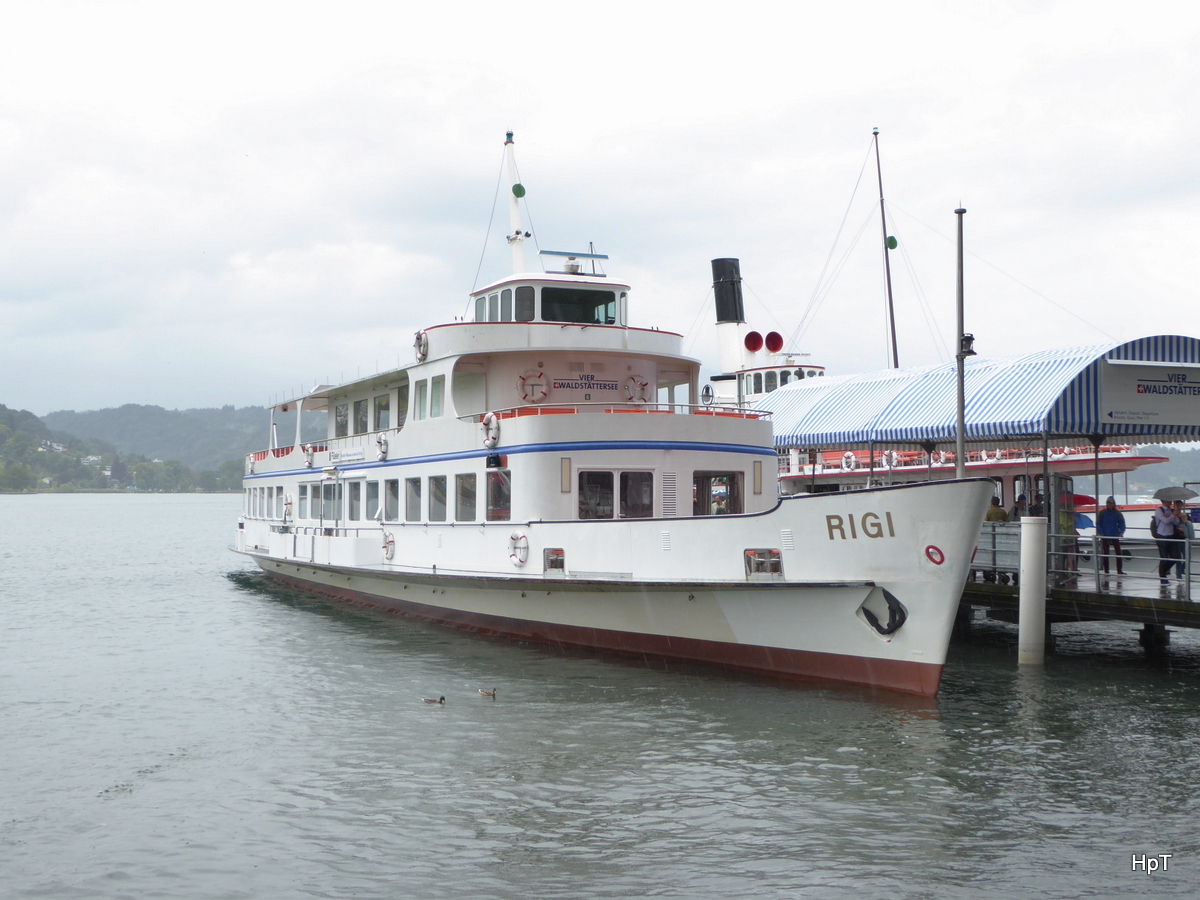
(488, 233)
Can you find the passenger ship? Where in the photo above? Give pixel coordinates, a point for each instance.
(525, 476)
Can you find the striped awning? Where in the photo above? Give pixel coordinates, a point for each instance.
(1010, 401)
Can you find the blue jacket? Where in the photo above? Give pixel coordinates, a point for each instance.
(1110, 523)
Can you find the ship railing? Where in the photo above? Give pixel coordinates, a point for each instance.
(609, 407)
(800, 461)
(1133, 566)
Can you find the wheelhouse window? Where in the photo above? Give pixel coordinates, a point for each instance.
(588, 307)
(372, 499)
(716, 493)
(506, 306)
(361, 416)
(637, 495)
(303, 497)
(784, 377)
(383, 405)
(354, 504)
(464, 497)
(481, 309)
(499, 495)
(595, 495)
(437, 396)
(419, 399)
(493, 307)
(758, 387)
(314, 511)
(391, 501)
(770, 382)
(523, 311)
(437, 498)
(412, 499)
(341, 419)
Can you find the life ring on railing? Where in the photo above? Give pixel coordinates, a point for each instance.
(389, 545)
(891, 458)
(421, 345)
(637, 389)
(308, 456)
(938, 457)
(849, 461)
(287, 508)
(491, 430)
(250, 466)
(381, 441)
(533, 387)
(518, 549)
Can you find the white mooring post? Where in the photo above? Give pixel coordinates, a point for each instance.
(1031, 624)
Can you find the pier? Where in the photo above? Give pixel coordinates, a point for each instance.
(1077, 588)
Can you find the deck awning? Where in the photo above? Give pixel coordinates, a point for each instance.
(1148, 388)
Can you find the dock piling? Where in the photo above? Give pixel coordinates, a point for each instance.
(1031, 625)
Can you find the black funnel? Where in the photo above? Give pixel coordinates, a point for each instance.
(727, 286)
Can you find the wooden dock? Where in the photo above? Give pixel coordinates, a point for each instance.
(1167, 607)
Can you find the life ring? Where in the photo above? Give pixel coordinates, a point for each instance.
(938, 458)
(518, 549)
(250, 467)
(935, 555)
(637, 389)
(491, 430)
(891, 458)
(533, 387)
(849, 461)
(287, 508)
(389, 545)
(381, 441)
(308, 456)
(421, 345)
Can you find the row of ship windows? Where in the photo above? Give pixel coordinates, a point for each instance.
(559, 304)
(760, 382)
(602, 494)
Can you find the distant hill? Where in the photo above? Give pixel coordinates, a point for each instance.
(199, 438)
(1184, 466)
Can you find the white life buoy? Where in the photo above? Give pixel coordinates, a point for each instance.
(891, 458)
(308, 456)
(491, 430)
(637, 389)
(533, 387)
(389, 545)
(518, 548)
(939, 458)
(421, 345)
(250, 467)
(287, 508)
(381, 441)
(849, 461)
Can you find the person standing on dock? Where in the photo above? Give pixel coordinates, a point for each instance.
(1162, 527)
(1110, 525)
(996, 512)
(1020, 508)
(1184, 530)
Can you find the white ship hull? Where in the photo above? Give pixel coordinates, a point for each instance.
(632, 586)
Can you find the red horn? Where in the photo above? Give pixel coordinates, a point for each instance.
(754, 341)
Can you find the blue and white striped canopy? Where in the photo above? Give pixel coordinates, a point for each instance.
(1011, 401)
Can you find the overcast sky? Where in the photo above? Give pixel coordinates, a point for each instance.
(207, 203)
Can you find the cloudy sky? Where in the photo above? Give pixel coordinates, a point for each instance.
(208, 203)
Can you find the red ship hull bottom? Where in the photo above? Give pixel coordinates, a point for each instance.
(921, 679)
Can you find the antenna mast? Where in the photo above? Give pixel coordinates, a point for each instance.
(516, 236)
(888, 244)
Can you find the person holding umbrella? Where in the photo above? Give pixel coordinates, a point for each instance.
(1167, 528)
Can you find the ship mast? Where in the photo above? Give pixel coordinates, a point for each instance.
(888, 244)
(516, 236)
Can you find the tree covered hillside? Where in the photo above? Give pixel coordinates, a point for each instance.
(199, 438)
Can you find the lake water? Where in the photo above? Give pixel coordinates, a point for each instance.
(173, 726)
